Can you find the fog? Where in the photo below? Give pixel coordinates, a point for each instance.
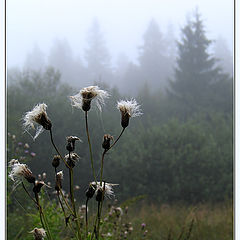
(61, 34)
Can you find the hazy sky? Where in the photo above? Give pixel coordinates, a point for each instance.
(123, 22)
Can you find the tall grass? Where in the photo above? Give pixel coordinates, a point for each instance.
(200, 222)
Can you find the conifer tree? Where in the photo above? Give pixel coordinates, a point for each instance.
(196, 74)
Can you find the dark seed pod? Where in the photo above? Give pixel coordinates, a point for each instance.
(56, 161)
(106, 141)
(99, 196)
(38, 186)
(125, 120)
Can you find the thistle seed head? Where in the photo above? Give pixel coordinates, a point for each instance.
(83, 99)
(38, 233)
(71, 159)
(20, 171)
(128, 109)
(38, 116)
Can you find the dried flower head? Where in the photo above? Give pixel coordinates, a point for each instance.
(56, 161)
(12, 162)
(83, 99)
(37, 116)
(38, 233)
(20, 171)
(107, 188)
(106, 141)
(59, 178)
(38, 185)
(71, 159)
(71, 142)
(128, 109)
(118, 211)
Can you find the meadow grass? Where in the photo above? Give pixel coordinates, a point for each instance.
(199, 222)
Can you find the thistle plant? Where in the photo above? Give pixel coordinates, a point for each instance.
(37, 120)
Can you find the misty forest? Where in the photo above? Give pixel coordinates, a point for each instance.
(173, 164)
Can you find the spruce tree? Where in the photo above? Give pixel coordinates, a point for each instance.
(196, 73)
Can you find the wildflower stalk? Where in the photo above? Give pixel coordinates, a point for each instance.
(42, 217)
(117, 139)
(51, 136)
(86, 217)
(28, 193)
(72, 201)
(100, 204)
(90, 146)
(65, 201)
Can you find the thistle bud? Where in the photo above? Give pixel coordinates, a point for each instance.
(37, 187)
(71, 143)
(106, 141)
(59, 178)
(56, 161)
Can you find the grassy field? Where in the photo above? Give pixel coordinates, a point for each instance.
(201, 222)
(143, 221)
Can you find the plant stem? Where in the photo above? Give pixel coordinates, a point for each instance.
(42, 218)
(69, 208)
(73, 203)
(117, 139)
(51, 136)
(100, 210)
(86, 216)
(28, 193)
(90, 146)
(101, 176)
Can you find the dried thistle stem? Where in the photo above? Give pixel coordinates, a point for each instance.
(28, 193)
(42, 217)
(72, 201)
(86, 217)
(90, 146)
(117, 139)
(51, 136)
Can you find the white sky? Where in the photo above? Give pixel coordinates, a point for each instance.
(122, 22)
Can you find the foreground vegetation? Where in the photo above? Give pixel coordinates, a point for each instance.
(155, 222)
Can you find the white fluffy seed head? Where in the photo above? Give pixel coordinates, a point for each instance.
(19, 171)
(38, 233)
(132, 108)
(108, 188)
(36, 119)
(87, 94)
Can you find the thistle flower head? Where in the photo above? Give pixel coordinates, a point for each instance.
(106, 187)
(38, 116)
(20, 171)
(71, 142)
(38, 185)
(38, 233)
(71, 159)
(83, 99)
(106, 141)
(128, 109)
(59, 178)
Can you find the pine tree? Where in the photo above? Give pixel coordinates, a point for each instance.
(196, 72)
(155, 64)
(97, 55)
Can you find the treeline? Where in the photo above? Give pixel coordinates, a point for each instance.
(180, 149)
